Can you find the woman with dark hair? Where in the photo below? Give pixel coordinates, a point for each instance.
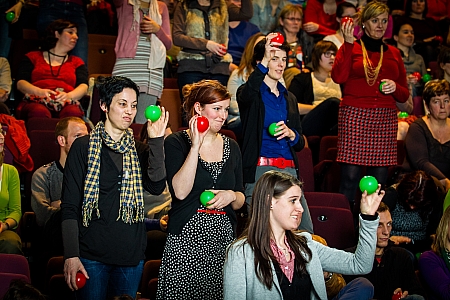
(263, 100)
(10, 207)
(344, 9)
(274, 261)
(434, 265)
(428, 140)
(374, 80)
(317, 94)
(416, 207)
(52, 79)
(198, 234)
(425, 28)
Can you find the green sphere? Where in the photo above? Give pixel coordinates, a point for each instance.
(304, 5)
(381, 86)
(205, 197)
(152, 113)
(10, 16)
(273, 129)
(403, 114)
(426, 78)
(369, 184)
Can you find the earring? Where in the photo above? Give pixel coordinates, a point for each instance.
(271, 207)
(364, 26)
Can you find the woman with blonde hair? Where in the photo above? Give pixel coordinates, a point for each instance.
(374, 80)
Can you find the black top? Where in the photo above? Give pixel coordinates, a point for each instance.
(395, 270)
(252, 110)
(302, 88)
(298, 289)
(177, 148)
(107, 239)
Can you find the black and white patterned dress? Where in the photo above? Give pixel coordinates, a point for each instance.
(192, 263)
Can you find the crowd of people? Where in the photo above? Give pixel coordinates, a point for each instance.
(112, 201)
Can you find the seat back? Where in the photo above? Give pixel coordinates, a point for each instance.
(327, 199)
(150, 279)
(335, 225)
(305, 169)
(170, 99)
(325, 143)
(41, 124)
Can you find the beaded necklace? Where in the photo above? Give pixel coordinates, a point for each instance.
(60, 66)
(371, 71)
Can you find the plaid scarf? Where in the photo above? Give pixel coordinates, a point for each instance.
(131, 197)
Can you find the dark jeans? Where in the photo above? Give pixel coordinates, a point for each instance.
(359, 288)
(107, 281)
(51, 10)
(191, 77)
(323, 119)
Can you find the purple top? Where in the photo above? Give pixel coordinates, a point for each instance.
(436, 275)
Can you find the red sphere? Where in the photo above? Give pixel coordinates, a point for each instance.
(417, 75)
(202, 124)
(81, 280)
(397, 296)
(53, 96)
(278, 39)
(439, 39)
(345, 20)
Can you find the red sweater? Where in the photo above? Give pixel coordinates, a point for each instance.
(314, 13)
(348, 70)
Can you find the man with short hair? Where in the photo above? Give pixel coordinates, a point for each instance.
(393, 270)
(46, 183)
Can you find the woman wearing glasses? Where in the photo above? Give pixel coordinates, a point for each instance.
(301, 43)
(317, 94)
(374, 79)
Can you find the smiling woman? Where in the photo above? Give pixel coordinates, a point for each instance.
(52, 80)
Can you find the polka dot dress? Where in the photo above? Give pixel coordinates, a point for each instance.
(192, 263)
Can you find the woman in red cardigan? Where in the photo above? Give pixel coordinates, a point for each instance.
(374, 79)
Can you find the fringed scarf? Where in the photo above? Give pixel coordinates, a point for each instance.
(131, 208)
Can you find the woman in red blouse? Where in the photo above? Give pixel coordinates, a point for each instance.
(52, 80)
(373, 78)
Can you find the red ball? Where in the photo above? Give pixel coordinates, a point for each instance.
(417, 75)
(439, 39)
(278, 39)
(202, 124)
(53, 96)
(81, 280)
(345, 20)
(397, 296)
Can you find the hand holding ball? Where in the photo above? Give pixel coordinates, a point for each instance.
(381, 86)
(81, 280)
(278, 39)
(10, 16)
(346, 20)
(202, 124)
(153, 113)
(273, 129)
(205, 197)
(417, 75)
(369, 184)
(397, 296)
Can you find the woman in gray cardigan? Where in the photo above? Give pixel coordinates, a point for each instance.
(271, 261)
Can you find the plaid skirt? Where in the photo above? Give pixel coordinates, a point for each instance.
(367, 136)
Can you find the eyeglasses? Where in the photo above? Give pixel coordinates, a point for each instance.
(294, 19)
(328, 54)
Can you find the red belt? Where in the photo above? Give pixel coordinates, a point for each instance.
(211, 211)
(280, 163)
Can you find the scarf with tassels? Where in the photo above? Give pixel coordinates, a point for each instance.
(131, 197)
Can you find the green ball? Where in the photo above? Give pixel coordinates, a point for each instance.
(369, 184)
(10, 16)
(273, 129)
(426, 78)
(403, 115)
(205, 197)
(304, 5)
(381, 86)
(152, 113)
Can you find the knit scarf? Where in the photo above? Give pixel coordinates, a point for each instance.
(131, 208)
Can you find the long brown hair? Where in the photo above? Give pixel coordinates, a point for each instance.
(441, 233)
(247, 56)
(272, 184)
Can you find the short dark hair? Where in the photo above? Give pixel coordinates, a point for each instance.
(340, 8)
(260, 48)
(59, 25)
(419, 190)
(443, 58)
(435, 88)
(320, 48)
(20, 290)
(382, 208)
(110, 86)
(63, 124)
(408, 8)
